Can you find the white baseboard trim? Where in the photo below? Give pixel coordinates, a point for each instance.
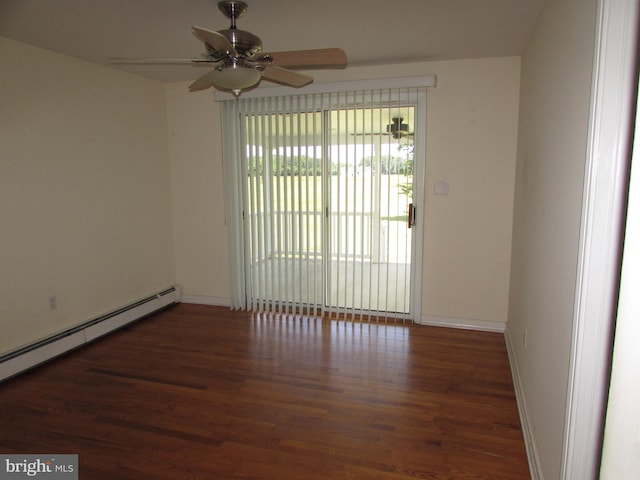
(463, 323)
(535, 468)
(430, 320)
(205, 300)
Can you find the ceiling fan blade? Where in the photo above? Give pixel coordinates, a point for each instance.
(215, 40)
(160, 61)
(202, 83)
(321, 57)
(286, 77)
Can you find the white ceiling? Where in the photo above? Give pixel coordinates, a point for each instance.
(370, 31)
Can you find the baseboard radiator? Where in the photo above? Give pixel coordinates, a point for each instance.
(32, 355)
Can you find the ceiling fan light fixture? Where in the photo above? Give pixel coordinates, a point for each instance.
(235, 77)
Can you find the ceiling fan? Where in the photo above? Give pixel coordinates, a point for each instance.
(238, 61)
(396, 129)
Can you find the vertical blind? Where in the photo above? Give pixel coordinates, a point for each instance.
(317, 193)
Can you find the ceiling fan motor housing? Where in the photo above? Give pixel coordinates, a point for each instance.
(397, 125)
(246, 44)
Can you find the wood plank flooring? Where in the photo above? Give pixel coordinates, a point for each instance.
(199, 392)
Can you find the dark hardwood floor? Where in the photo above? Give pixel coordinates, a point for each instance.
(198, 392)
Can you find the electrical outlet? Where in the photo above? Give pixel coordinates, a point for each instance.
(53, 302)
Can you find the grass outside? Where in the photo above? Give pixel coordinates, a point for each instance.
(349, 194)
(367, 221)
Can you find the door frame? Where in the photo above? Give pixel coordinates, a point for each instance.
(232, 149)
(603, 217)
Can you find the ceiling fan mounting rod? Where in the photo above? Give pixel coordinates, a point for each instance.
(233, 9)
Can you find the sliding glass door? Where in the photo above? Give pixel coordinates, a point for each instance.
(284, 210)
(369, 191)
(328, 185)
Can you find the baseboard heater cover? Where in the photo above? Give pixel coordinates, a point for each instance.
(30, 356)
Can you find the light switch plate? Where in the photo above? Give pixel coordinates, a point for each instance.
(441, 187)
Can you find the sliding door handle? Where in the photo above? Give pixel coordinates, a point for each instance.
(411, 217)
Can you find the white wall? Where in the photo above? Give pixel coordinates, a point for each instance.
(197, 191)
(472, 128)
(84, 192)
(471, 141)
(552, 140)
